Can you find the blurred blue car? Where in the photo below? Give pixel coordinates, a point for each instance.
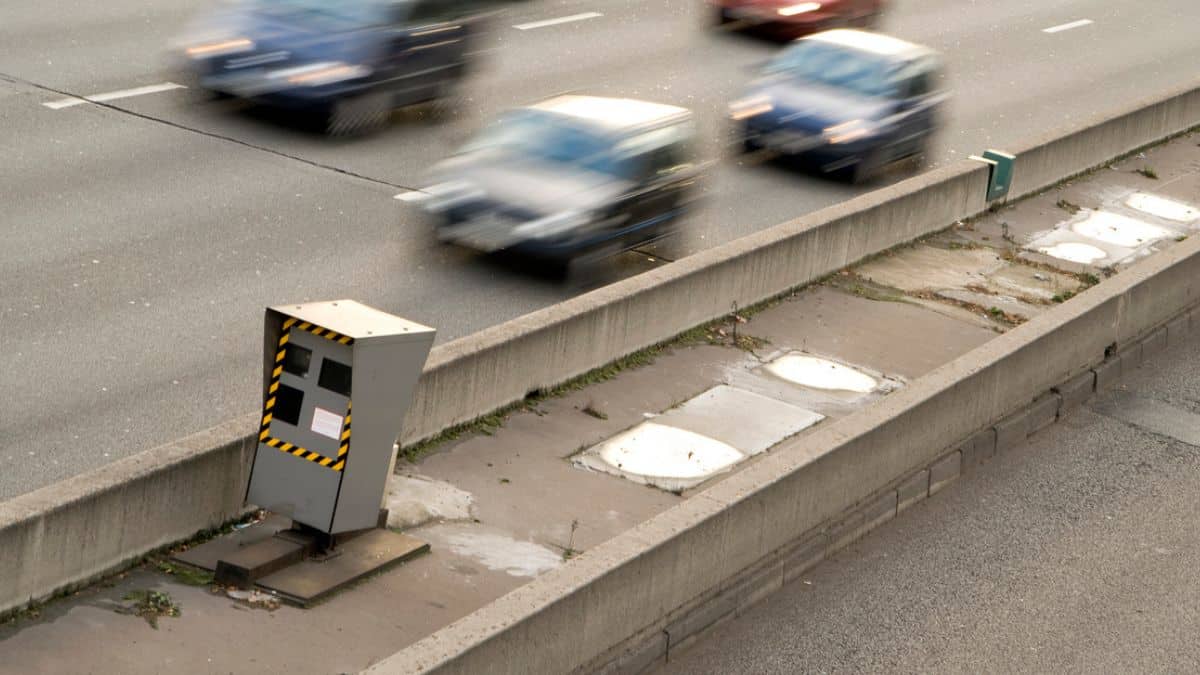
(844, 100)
(568, 177)
(352, 61)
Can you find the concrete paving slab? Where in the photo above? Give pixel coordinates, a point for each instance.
(929, 268)
(892, 338)
(745, 420)
(1005, 303)
(1028, 282)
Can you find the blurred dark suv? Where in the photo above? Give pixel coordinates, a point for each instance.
(845, 100)
(352, 61)
(568, 176)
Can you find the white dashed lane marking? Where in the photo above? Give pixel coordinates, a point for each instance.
(112, 95)
(1067, 26)
(555, 22)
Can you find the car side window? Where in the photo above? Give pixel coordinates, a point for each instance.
(919, 84)
(428, 11)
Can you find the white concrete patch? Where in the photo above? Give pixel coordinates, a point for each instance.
(500, 552)
(554, 22)
(1119, 230)
(1064, 242)
(112, 95)
(416, 500)
(1067, 26)
(666, 456)
(749, 421)
(818, 373)
(701, 438)
(1162, 207)
(1074, 251)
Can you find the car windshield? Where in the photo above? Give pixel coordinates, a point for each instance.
(322, 13)
(548, 137)
(834, 65)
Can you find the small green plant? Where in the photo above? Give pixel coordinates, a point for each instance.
(996, 312)
(149, 605)
(1182, 237)
(1089, 278)
(184, 574)
(1064, 296)
(1148, 172)
(570, 551)
(505, 481)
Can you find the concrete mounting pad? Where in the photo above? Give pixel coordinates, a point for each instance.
(313, 579)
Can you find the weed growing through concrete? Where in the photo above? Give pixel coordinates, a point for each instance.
(1148, 172)
(570, 551)
(149, 605)
(183, 573)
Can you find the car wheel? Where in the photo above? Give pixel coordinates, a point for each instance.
(359, 114)
(866, 169)
(722, 17)
(445, 103)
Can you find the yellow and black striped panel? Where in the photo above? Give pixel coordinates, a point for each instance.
(264, 435)
(320, 332)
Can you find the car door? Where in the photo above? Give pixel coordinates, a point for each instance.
(664, 171)
(912, 118)
(428, 50)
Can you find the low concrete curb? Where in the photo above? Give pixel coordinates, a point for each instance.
(169, 493)
(65, 535)
(624, 605)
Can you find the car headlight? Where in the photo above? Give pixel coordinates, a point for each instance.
(326, 72)
(749, 107)
(849, 131)
(553, 225)
(801, 8)
(219, 47)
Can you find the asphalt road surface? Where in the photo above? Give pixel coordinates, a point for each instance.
(1075, 553)
(144, 236)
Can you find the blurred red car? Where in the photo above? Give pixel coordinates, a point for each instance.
(790, 19)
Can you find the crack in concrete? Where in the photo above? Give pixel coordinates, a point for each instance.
(183, 127)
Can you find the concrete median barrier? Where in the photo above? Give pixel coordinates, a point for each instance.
(55, 539)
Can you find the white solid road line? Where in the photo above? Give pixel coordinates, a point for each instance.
(411, 196)
(112, 95)
(1067, 26)
(555, 22)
